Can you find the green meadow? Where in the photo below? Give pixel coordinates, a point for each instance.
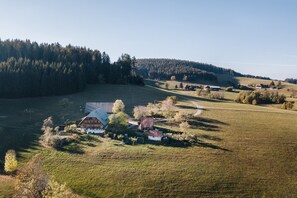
(244, 150)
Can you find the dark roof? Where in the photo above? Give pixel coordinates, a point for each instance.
(105, 106)
(100, 115)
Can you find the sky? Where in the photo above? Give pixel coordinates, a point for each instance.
(256, 37)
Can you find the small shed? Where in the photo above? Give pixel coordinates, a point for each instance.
(155, 135)
(146, 123)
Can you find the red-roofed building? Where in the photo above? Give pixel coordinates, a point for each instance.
(155, 135)
(146, 123)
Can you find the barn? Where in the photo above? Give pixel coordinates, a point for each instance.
(105, 106)
(95, 122)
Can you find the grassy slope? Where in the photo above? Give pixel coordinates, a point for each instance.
(16, 124)
(261, 159)
(6, 186)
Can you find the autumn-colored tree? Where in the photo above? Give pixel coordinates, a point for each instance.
(140, 112)
(181, 116)
(31, 180)
(184, 126)
(47, 123)
(118, 122)
(11, 163)
(118, 106)
(56, 190)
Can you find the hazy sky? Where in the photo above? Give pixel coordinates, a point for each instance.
(251, 36)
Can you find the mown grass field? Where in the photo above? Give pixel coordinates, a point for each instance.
(242, 153)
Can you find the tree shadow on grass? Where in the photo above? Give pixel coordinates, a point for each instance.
(186, 107)
(72, 148)
(212, 146)
(209, 137)
(186, 144)
(209, 120)
(206, 124)
(84, 140)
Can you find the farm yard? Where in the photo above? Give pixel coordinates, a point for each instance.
(242, 150)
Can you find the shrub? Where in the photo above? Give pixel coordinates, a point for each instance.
(181, 116)
(57, 142)
(133, 140)
(118, 121)
(173, 99)
(10, 164)
(71, 129)
(120, 137)
(254, 102)
(203, 92)
(289, 105)
(216, 95)
(32, 181)
(256, 97)
(56, 190)
(184, 126)
(47, 123)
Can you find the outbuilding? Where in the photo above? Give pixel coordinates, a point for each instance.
(155, 135)
(146, 123)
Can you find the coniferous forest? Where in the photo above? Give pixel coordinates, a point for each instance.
(194, 71)
(29, 69)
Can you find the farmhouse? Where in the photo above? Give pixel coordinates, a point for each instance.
(212, 88)
(155, 135)
(105, 106)
(146, 123)
(95, 122)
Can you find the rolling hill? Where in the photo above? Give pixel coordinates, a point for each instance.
(163, 69)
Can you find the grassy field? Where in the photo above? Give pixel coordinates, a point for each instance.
(21, 119)
(286, 87)
(6, 186)
(241, 153)
(250, 156)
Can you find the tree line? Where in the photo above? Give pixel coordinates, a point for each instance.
(291, 80)
(31, 69)
(164, 68)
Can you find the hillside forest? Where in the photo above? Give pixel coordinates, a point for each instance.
(29, 69)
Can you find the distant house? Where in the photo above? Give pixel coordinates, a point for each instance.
(212, 88)
(155, 135)
(105, 106)
(146, 123)
(95, 122)
(191, 87)
(261, 86)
